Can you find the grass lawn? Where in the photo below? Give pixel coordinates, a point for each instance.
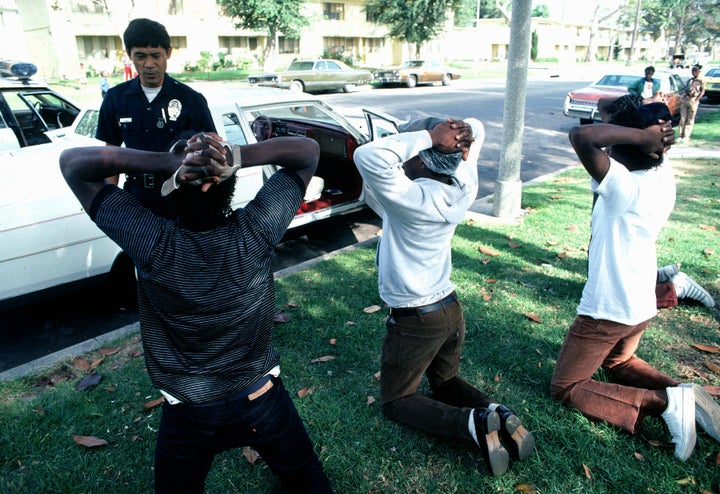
(518, 304)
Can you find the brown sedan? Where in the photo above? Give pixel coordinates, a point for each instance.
(414, 72)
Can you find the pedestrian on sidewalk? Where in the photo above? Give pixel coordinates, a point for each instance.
(422, 182)
(207, 299)
(636, 194)
(694, 91)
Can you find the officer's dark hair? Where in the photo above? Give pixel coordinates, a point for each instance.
(145, 32)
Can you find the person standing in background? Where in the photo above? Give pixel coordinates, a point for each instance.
(694, 91)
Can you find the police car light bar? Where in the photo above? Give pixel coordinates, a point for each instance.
(21, 70)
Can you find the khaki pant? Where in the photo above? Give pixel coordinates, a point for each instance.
(688, 109)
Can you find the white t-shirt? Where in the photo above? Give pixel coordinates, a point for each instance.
(630, 210)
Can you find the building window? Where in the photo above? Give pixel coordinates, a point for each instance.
(99, 47)
(175, 7)
(231, 43)
(337, 46)
(373, 45)
(87, 7)
(372, 14)
(288, 45)
(334, 11)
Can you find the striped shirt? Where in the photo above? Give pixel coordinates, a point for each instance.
(206, 299)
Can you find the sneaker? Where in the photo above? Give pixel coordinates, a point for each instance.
(517, 439)
(686, 287)
(680, 419)
(484, 426)
(666, 273)
(707, 411)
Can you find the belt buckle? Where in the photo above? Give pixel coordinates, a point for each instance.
(149, 180)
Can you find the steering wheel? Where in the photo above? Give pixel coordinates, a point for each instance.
(262, 128)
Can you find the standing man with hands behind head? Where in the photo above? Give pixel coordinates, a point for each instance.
(152, 110)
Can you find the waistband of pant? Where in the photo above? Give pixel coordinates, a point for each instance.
(424, 309)
(242, 394)
(145, 180)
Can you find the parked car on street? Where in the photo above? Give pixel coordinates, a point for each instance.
(712, 83)
(414, 72)
(314, 75)
(47, 241)
(582, 103)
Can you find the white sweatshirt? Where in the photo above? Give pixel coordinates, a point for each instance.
(418, 217)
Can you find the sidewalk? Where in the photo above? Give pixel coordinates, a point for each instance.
(483, 213)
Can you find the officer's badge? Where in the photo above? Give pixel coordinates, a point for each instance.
(174, 108)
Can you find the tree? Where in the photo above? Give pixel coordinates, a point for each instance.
(413, 22)
(275, 17)
(598, 18)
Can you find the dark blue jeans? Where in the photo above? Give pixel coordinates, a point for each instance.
(189, 437)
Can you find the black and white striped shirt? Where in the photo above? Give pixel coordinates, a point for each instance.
(206, 299)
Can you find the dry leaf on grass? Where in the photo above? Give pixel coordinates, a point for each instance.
(88, 381)
(709, 252)
(304, 392)
(571, 228)
(109, 351)
(513, 245)
(639, 456)
(486, 297)
(250, 454)
(587, 471)
(709, 228)
(282, 317)
(686, 481)
(562, 255)
(485, 261)
(324, 358)
(706, 348)
(153, 403)
(488, 251)
(371, 309)
(333, 341)
(529, 488)
(376, 376)
(712, 366)
(89, 441)
(351, 323)
(81, 363)
(533, 317)
(370, 400)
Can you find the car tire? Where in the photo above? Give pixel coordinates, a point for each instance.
(349, 88)
(446, 78)
(411, 81)
(297, 86)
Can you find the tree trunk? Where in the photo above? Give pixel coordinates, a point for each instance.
(679, 34)
(634, 35)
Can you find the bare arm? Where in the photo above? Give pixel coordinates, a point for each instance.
(589, 142)
(85, 169)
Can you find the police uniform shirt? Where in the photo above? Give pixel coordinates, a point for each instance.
(127, 117)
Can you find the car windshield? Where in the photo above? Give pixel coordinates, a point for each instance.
(301, 66)
(617, 80)
(713, 73)
(412, 63)
(299, 111)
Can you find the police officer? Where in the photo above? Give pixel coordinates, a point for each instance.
(151, 111)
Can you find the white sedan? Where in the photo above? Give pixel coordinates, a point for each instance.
(47, 240)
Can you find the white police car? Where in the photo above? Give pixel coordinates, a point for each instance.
(47, 240)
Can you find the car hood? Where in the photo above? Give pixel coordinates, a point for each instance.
(597, 92)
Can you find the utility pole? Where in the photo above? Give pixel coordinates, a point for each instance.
(508, 187)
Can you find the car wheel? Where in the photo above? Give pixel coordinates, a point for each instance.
(411, 81)
(446, 80)
(297, 86)
(586, 121)
(349, 88)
